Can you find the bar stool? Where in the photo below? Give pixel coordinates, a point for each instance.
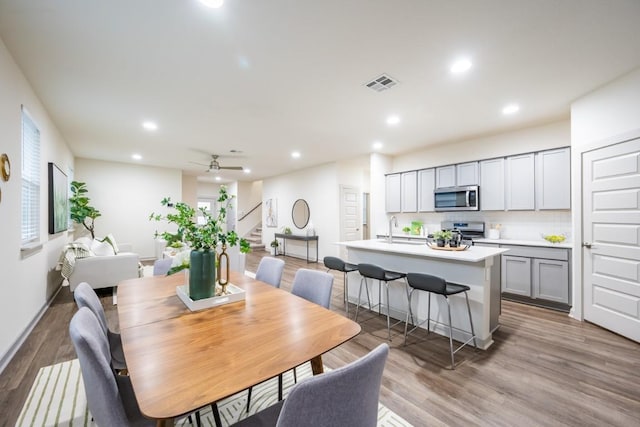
(335, 263)
(370, 271)
(437, 285)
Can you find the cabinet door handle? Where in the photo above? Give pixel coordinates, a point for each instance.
(586, 245)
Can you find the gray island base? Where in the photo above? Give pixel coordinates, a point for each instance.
(472, 267)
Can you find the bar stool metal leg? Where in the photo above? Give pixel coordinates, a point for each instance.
(360, 296)
(453, 363)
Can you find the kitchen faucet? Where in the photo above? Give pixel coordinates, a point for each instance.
(392, 221)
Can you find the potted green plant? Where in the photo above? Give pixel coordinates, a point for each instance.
(203, 239)
(406, 230)
(80, 209)
(287, 230)
(274, 247)
(442, 237)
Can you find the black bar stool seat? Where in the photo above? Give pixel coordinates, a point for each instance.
(439, 286)
(371, 271)
(335, 263)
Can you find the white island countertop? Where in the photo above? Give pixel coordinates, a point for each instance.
(419, 249)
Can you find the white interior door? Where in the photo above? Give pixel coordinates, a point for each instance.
(350, 213)
(611, 237)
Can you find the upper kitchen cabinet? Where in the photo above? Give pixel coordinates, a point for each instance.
(409, 187)
(492, 185)
(393, 192)
(446, 176)
(553, 179)
(457, 175)
(520, 182)
(467, 174)
(426, 185)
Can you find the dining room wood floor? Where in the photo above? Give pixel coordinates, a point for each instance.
(544, 368)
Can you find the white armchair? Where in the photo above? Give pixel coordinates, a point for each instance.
(105, 271)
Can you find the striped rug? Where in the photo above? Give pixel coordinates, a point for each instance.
(57, 398)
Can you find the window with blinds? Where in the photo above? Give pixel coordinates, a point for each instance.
(30, 180)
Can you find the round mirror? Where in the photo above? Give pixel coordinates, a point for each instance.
(300, 213)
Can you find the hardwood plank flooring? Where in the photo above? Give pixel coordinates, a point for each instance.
(544, 369)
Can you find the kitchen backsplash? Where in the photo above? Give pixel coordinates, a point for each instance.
(521, 225)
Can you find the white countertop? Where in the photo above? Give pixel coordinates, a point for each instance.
(472, 254)
(541, 242)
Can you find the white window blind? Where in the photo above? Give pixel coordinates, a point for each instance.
(30, 180)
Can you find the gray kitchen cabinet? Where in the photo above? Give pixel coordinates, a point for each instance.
(426, 185)
(446, 176)
(516, 275)
(393, 184)
(409, 191)
(467, 174)
(520, 182)
(553, 179)
(536, 274)
(551, 280)
(492, 185)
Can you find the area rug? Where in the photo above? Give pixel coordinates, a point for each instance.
(57, 398)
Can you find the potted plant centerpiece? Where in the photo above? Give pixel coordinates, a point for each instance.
(203, 240)
(442, 237)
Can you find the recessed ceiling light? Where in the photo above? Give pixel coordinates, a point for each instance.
(510, 109)
(136, 156)
(393, 120)
(460, 66)
(150, 125)
(218, 178)
(246, 170)
(377, 145)
(213, 4)
(295, 154)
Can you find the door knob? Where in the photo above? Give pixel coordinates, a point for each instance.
(586, 245)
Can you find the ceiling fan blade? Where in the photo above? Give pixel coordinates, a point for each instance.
(199, 164)
(233, 168)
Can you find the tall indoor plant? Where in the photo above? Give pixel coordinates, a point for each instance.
(81, 211)
(203, 240)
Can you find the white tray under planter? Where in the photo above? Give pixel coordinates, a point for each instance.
(234, 294)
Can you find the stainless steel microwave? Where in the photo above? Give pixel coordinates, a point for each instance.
(457, 199)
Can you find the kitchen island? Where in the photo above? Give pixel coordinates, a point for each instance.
(471, 267)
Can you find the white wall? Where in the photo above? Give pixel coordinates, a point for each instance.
(125, 194)
(606, 116)
(189, 190)
(28, 282)
(320, 188)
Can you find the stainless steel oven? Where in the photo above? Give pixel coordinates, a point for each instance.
(457, 198)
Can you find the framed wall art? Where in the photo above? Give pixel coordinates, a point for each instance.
(58, 200)
(271, 208)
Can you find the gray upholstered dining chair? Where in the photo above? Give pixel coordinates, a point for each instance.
(85, 296)
(347, 396)
(110, 396)
(162, 266)
(314, 286)
(270, 271)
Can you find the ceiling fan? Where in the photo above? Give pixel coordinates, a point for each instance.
(214, 165)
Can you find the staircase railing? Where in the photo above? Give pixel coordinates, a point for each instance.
(248, 213)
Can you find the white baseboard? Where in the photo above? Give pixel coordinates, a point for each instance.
(8, 356)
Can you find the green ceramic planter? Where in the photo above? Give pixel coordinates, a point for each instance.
(202, 274)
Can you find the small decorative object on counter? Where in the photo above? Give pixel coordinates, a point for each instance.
(416, 228)
(442, 237)
(406, 229)
(554, 238)
(494, 231)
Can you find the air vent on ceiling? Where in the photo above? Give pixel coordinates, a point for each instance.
(383, 82)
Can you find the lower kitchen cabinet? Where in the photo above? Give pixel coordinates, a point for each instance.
(536, 275)
(516, 275)
(551, 280)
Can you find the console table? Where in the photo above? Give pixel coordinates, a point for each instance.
(304, 238)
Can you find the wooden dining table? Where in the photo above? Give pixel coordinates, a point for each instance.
(179, 360)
